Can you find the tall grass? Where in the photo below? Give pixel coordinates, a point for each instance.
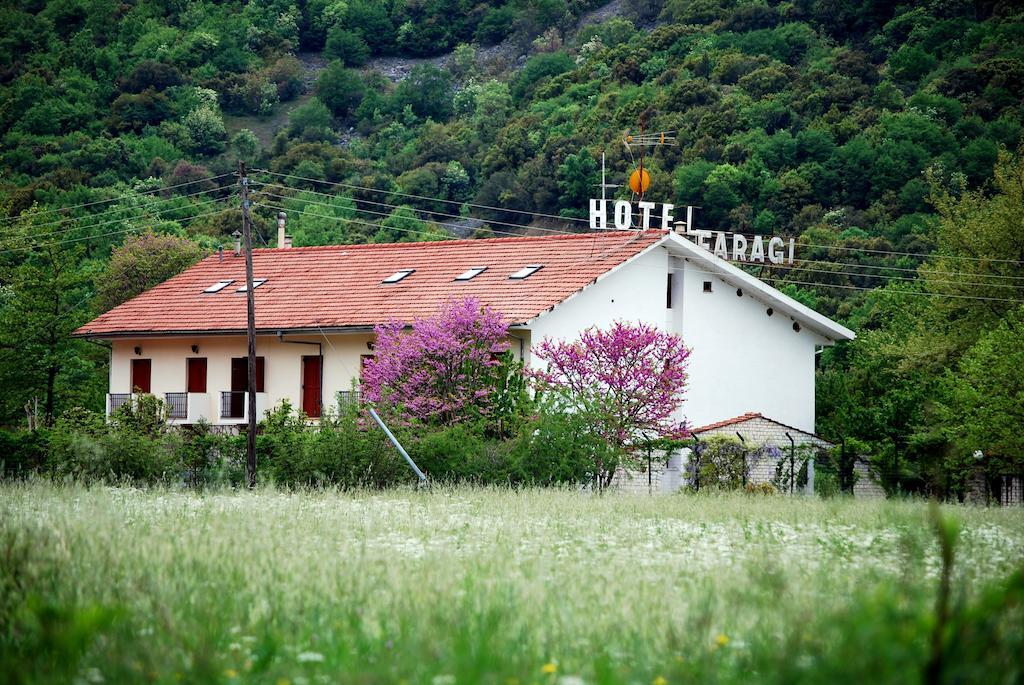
(489, 585)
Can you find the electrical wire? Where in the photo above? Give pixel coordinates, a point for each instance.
(100, 235)
(115, 199)
(561, 218)
(393, 206)
(422, 197)
(777, 279)
(366, 211)
(884, 277)
(124, 209)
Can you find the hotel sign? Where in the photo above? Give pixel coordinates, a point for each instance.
(623, 215)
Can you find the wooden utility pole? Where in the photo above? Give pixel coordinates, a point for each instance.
(250, 305)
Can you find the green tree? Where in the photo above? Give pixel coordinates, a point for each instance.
(311, 121)
(206, 131)
(984, 403)
(577, 178)
(46, 295)
(347, 46)
(245, 145)
(340, 89)
(142, 262)
(428, 91)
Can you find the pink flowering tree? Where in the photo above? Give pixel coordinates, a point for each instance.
(629, 380)
(446, 369)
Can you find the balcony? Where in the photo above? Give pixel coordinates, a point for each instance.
(188, 407)
(116, 400)
(234, 406)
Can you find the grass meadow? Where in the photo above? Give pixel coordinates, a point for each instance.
(465, 585)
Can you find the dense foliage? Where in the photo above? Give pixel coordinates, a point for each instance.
(869, 131)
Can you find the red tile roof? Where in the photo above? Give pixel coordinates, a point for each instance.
(728, 422)
(749, 416)
(339, 286)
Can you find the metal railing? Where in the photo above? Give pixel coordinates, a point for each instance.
(118, 400)
(177, 405)
(349, 397)
(232, 404)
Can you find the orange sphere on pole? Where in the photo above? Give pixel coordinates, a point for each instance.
(639, 181)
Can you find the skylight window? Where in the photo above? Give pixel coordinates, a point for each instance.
(526, 272)
(257, 282)
(398, 275)
(471, 273)
(218, 286)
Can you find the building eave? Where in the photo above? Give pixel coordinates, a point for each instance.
(820, 324)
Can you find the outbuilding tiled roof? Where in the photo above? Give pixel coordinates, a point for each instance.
(762, 420)
(341, 286)
(743, 418)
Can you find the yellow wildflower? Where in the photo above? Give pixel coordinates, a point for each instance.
(721, 639)
(283, 681)
(548, 668)
(660, 680)
(231, 673)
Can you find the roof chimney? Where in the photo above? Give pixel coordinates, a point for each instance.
(238, 242)
(287, 241)
(281, 238)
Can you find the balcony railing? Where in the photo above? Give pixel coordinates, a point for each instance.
(232, 404)
(346, 397)
(177, 405)
(118, 400)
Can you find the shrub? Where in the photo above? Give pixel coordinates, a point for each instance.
(347, 46)
(311, 121)
(720, 463)
(560, 447)
(344, 450)
(23, 452)
(340, 89)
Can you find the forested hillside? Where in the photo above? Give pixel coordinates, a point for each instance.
(869, 130)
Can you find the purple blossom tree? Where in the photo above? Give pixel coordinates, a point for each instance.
(629, 378)
(442, 371)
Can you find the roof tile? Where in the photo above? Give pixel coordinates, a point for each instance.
(340, 286)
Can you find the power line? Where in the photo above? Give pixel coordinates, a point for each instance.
(891, 292)
(899, 278)
(884, 277)
(923, 270)
(393, 206)
(107, 223)
(562, 218)
(114, 199)
(119, 210)
(430, 199)
(356, 209)
(100, 235)
(357, 221)
(913, 254)
(777, 279)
